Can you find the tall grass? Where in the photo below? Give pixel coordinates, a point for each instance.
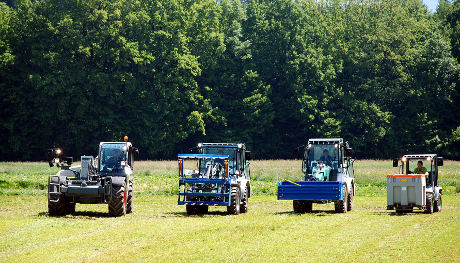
(160, 177)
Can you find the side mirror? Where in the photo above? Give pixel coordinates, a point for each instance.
(136, 153)
(68, 160)
(348, 152)
(247, 155)
(440, 161)
(395, 162)
(298, 152)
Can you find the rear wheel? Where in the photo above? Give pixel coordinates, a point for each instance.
(308, 206)
(341, 205)
(235, 203)
(117, 202)
(298, 206)
(350, 201)
(429, 204)
(129, 201)
(438, 204)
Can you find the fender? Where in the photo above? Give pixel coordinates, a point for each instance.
(118, 180)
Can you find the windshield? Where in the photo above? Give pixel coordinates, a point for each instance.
(231, 152)
(111, 156)
(418, 165)
(322, 154)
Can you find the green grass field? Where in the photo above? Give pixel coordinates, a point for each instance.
(159, 229)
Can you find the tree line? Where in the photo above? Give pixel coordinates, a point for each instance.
(383, 75)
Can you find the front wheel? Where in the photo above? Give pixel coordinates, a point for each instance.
(438, 204)
(350, 201)
(129, 201)
(245, 202)
(235, 202)
(429, 204)
(58, 208)
(117, 202)
(298, 206)
(341, 205)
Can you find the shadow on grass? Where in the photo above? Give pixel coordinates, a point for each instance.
(184, 214)
(314, 212)
(393, 213)
(90, 214)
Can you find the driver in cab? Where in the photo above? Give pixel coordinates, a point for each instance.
(420, 169)
(114, 159)
(326, 158)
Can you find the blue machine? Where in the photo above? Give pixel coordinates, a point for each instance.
(329, 177)
(218, 176)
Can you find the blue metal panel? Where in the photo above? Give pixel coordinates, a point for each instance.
(204, 203)
(186, 180)
(309, 190)
(201, 156)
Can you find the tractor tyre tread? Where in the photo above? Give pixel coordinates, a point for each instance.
(235, 202)
(245, 202)
(130, 197)
(58, 208)
(341, 205)
(117, 205)
(429, 204)
(299, 206)
(438, 204)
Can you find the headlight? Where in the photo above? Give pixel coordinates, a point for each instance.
(58, 151)
(200, 145)
(403, 159)
(240, 146)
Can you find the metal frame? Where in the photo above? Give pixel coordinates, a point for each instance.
(220, 183)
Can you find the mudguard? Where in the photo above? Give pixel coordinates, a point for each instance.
(118, 180)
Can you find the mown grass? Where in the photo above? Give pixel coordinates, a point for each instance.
(160, 231)
(160, 177)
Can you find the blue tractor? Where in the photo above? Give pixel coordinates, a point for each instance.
(329, 177)
(218, 175)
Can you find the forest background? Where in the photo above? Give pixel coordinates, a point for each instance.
(383, 75)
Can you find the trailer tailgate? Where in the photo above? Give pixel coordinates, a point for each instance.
(309, 190)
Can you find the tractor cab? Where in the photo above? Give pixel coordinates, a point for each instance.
(323, 158)
(116, 158)
(238, 157)
(424, 164)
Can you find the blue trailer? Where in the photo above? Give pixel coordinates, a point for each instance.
(329, 177)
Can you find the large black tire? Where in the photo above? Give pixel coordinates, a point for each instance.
(429, 204)
(191, 209)
(350, 201)
(70, 208)
(235, 202)
(202, 209)
(299, 206)
(341, 205)
(308, 206)
(438, 204)
(129, 201)
(245, 202)
(58, 208)
(117, 202)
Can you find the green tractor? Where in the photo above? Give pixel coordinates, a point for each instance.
(104, 179)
